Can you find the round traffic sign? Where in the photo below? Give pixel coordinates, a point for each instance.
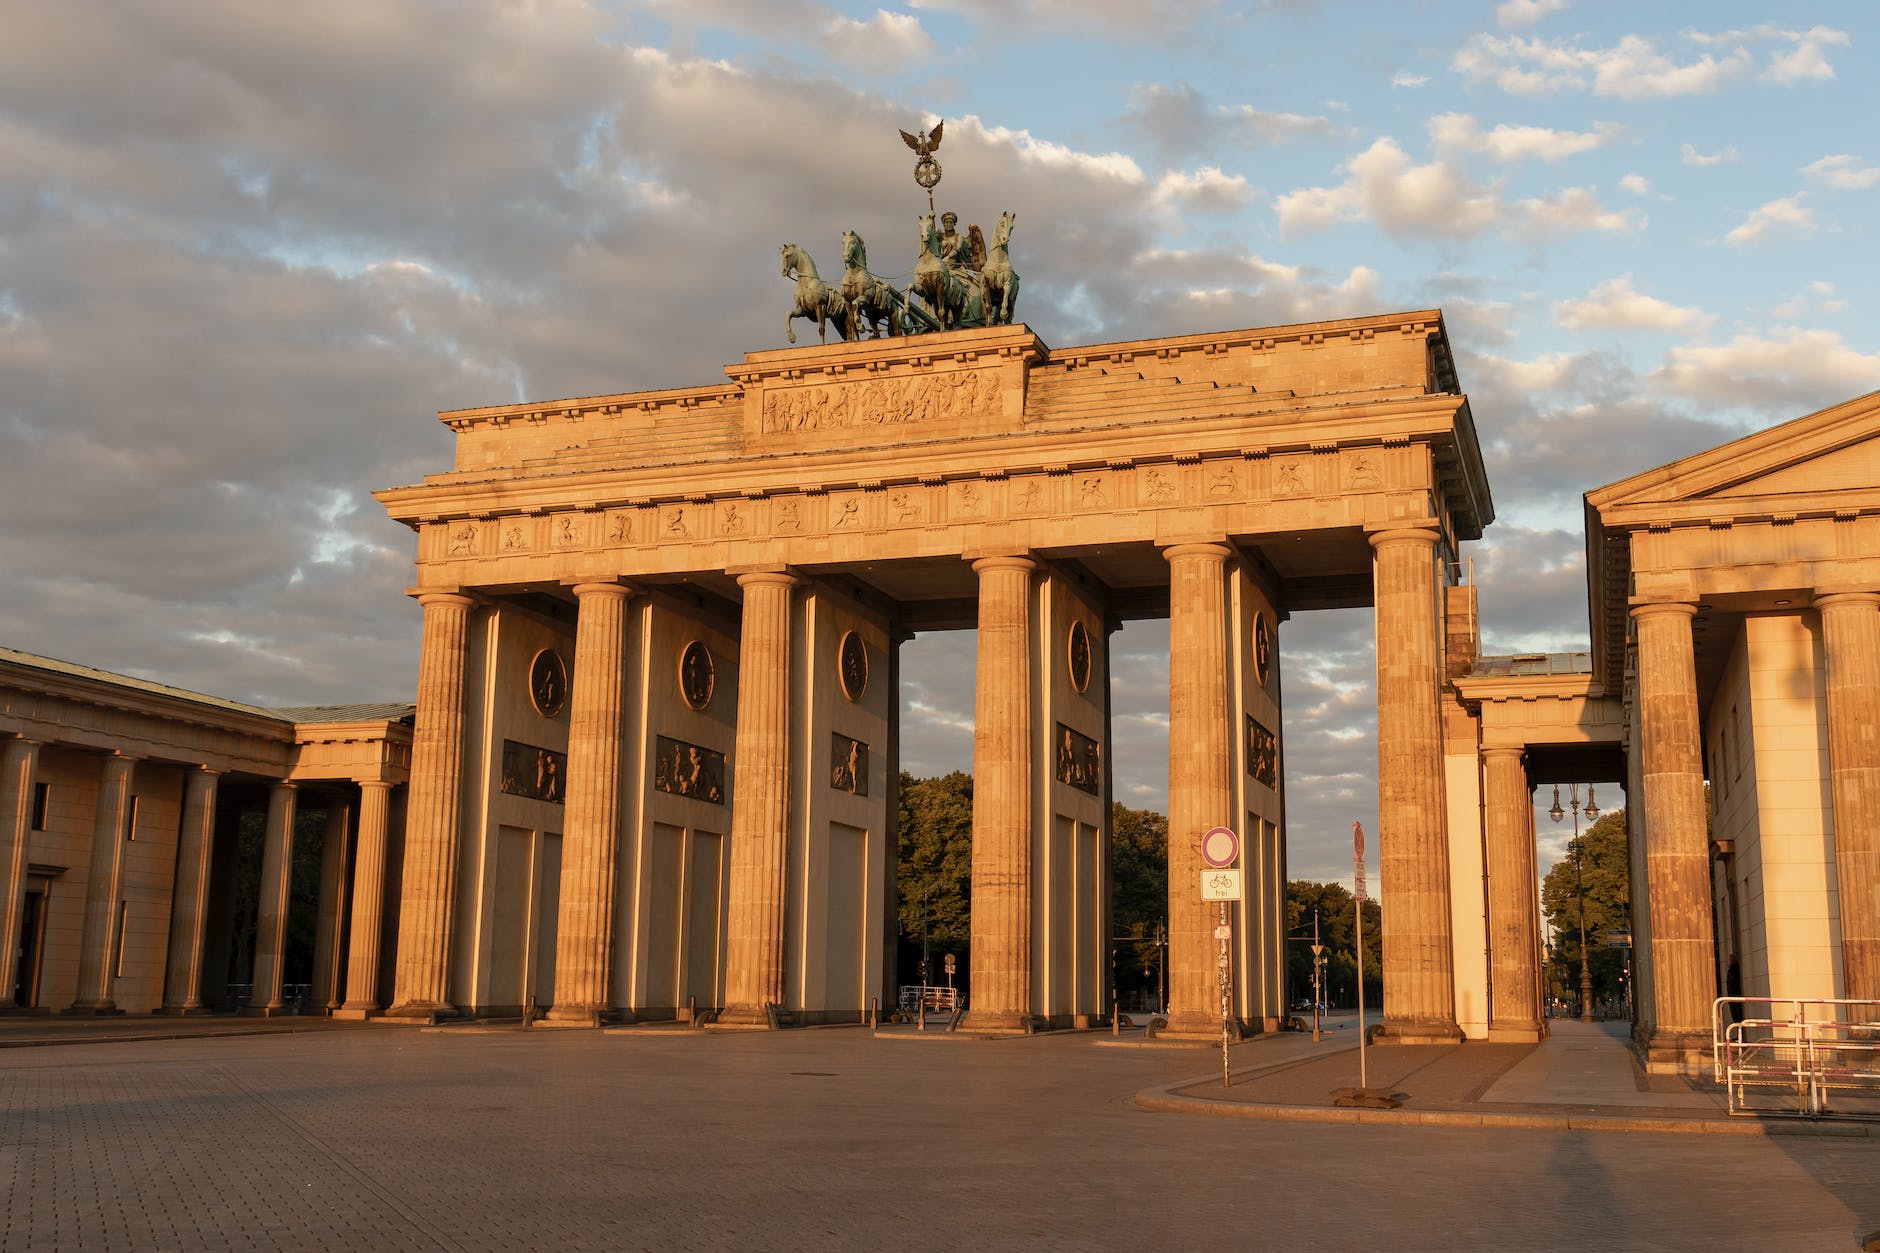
(1220, 847)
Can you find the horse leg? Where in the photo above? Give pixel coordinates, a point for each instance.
(787, 328)
(1010, 300)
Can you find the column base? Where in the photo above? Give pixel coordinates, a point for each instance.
(992, 1022)
(1514, 1033)
(356, 1013)
(1201, 1028)
(428, 1013)
(1411, 1031)
(1674, 1052)
(572, 1016)
(184, 1011)
(95, 1009)
(282, 1010)
(743, 1016)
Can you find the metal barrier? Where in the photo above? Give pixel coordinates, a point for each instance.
(1817, 1058)
(916, 996)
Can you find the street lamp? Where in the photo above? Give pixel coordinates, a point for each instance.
(1579, 881)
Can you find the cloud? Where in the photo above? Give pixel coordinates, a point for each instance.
(885, 41)
(1206, 190)
(1615, 306)
(1842, 172)
(1787, 215)
(1179, 121)
(1792, 371)
(1155, 20)
(1461, 132)
(1632, 69)
(1723, 156)
(1805, 58)
(1403, 78)
(1817, 297)
(1403, 198)
(1511, 14)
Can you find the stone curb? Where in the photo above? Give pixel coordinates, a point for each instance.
(1166, 1100)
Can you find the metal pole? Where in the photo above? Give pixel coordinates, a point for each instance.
(1586, 974)
(1318, 977)
(1357, 907)
(1226, 994)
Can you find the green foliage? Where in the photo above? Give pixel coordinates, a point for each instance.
(1604, 864)
(936, 859)
(1139, 870)
(1336, 923)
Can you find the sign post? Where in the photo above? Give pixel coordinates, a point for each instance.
(1220, 848)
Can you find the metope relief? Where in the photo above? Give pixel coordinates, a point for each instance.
(537, 774)
(1079, 760)
(949, 396)
(683, 769)
(848, 765)
(1262, 754)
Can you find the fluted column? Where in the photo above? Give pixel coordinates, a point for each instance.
(1513, 927)
(1677, 842)
(428, 898)
(328, 942)
(590, 842)
(1850, 625)
(1413, 840)
(277, 877)
(760, 800)
(1002, 769)
(18, 760)
(97, 945)
(189, 899)
(368, 892)
(1200, 779)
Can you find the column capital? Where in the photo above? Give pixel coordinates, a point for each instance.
(1502, 752)
(1006, 561)
(441, 596)
(385, 784)
(202, 771)
(1213, 549)
(1843, 599)
(1428, 536)
(283, 785)
(603, 589)
(773, 576)
(1650, 608)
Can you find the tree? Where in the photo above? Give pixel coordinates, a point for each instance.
(1606, 868)
(935, 831)
(1332, 901)
(1139, 901)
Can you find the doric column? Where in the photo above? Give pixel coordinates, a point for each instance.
(277, 877)
(590, 842)
(760, 800)
(189, 900)
(1002, 765)
(18, 760)
(1200, 780)
(368, 893)
(328, 943)
(1513, 927)
(1677, 842)
(1413, 841)
(1850, 626)
(97, 946)
(428, 898)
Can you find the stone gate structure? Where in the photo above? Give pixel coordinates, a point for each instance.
(655, 750)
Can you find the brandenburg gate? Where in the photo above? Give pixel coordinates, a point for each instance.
(655, 760)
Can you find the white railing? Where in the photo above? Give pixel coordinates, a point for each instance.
(937, 1000)
(1816, 1058)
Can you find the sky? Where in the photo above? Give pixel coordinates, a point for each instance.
(248, 251)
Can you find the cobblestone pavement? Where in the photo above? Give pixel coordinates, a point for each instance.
(823, 1139)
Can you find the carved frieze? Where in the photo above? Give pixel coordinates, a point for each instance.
(1262, 754)
(949, 395)
(533, 773)
(1079, 761)
(848, 765)
(683, 769)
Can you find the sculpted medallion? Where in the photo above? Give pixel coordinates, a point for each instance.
(548, 683)
(1262, 648)
(696, 674)
(852, 662)
(1078, 655)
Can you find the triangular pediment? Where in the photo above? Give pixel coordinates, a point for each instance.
(1833, 451)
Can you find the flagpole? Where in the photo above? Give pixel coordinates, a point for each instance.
(1357, 908)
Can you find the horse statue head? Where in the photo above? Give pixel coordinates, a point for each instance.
(929, 234)
(854, 251)
(1002, 233)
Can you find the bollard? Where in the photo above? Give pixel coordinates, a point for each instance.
(874, 1012)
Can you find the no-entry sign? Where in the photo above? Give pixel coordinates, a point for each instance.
(1220, 847)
